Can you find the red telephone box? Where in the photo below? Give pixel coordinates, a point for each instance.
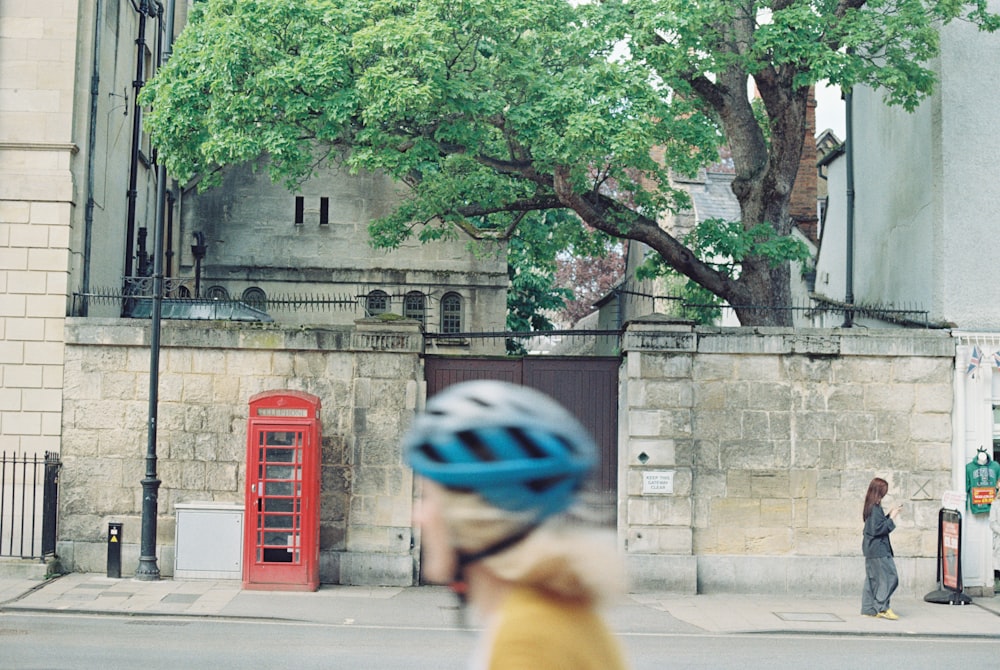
(281, 535)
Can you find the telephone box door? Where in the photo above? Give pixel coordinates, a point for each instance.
(281, 537)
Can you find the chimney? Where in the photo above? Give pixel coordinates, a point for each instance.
(803, 203)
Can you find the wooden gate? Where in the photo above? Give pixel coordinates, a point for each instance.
(587, 387)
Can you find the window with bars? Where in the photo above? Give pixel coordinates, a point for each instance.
(377, 302)
(415, 306)
(451, 313)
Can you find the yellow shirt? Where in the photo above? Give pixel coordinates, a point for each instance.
(534, 631)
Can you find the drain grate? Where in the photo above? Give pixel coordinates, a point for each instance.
(823, 617)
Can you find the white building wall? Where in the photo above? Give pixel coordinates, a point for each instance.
(37, 69)
(926, 193)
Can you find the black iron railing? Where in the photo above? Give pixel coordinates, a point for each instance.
(29, 501)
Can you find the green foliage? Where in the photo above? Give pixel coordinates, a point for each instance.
(532, 267)
(498, 114)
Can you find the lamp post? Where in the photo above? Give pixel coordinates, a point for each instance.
(147, 569)
(199, 249)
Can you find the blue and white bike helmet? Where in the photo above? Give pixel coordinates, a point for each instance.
(516, 447)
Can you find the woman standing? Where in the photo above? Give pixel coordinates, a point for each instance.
(881, 578)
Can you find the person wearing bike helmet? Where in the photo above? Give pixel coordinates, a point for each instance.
(502, 466)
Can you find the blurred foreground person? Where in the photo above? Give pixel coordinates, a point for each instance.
(502, 465)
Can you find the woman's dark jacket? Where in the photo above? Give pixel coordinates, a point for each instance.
(876, 540)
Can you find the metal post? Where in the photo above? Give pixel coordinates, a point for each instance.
(50, 504)
(148, 570)
(849, 156)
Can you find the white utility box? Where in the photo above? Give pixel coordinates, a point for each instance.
(208, 541)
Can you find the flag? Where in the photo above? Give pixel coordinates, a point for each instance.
(974, 361)
(996, 359)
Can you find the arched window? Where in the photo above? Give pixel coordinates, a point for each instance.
(377, 302)
(451, 313)
(217, 293)
(255, 297)
(415, 306)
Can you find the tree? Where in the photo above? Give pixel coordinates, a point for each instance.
(492, 111)
(589, 278)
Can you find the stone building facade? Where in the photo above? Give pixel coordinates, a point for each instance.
(743, 454)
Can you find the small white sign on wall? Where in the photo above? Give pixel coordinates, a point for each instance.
(657, 481)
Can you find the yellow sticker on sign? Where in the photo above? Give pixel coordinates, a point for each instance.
(114, 538)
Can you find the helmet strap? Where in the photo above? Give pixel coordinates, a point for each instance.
(459, 584)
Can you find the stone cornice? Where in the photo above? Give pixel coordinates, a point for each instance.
(39, 146)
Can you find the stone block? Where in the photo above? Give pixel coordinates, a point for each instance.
(649, 573)
(376, 569)
(930, 427)
(802, 483)
(709, 395)
(855, 426)
(768, 540)
(845, 398)
(712, 425)
(756, 454)
(737, 484)
(871, 456)
(770, 484)
(933, 398)
(713, 368)
(923, 371)
(806, 453)
(658, 511)
(707, 453)
(776, 512)
(889, 397)
(808, 369)
(735, 512)
(824, 541)
(644, 423)
(760, 369)
(769, 396)
(862, 370)
(671, 540)
(652, 453)
(662, 394)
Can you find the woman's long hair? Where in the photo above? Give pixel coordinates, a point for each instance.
(876, 491)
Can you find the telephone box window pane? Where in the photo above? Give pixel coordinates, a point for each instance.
(280, 472)
(280, 505)
(280, 521)
(279, 488)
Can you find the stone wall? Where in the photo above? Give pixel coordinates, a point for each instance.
(366, 376)
(771, 437)
(744, 454)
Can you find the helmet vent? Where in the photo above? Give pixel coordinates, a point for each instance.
(471, 440)
(430, 452)
(544, 484)
(526, 443)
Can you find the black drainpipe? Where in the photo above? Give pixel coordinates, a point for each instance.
(88, 217)
(133, 176)
(849, 156)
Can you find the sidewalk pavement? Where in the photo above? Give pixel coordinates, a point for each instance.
(426, 606)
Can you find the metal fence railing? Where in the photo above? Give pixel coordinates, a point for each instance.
(29, 501)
